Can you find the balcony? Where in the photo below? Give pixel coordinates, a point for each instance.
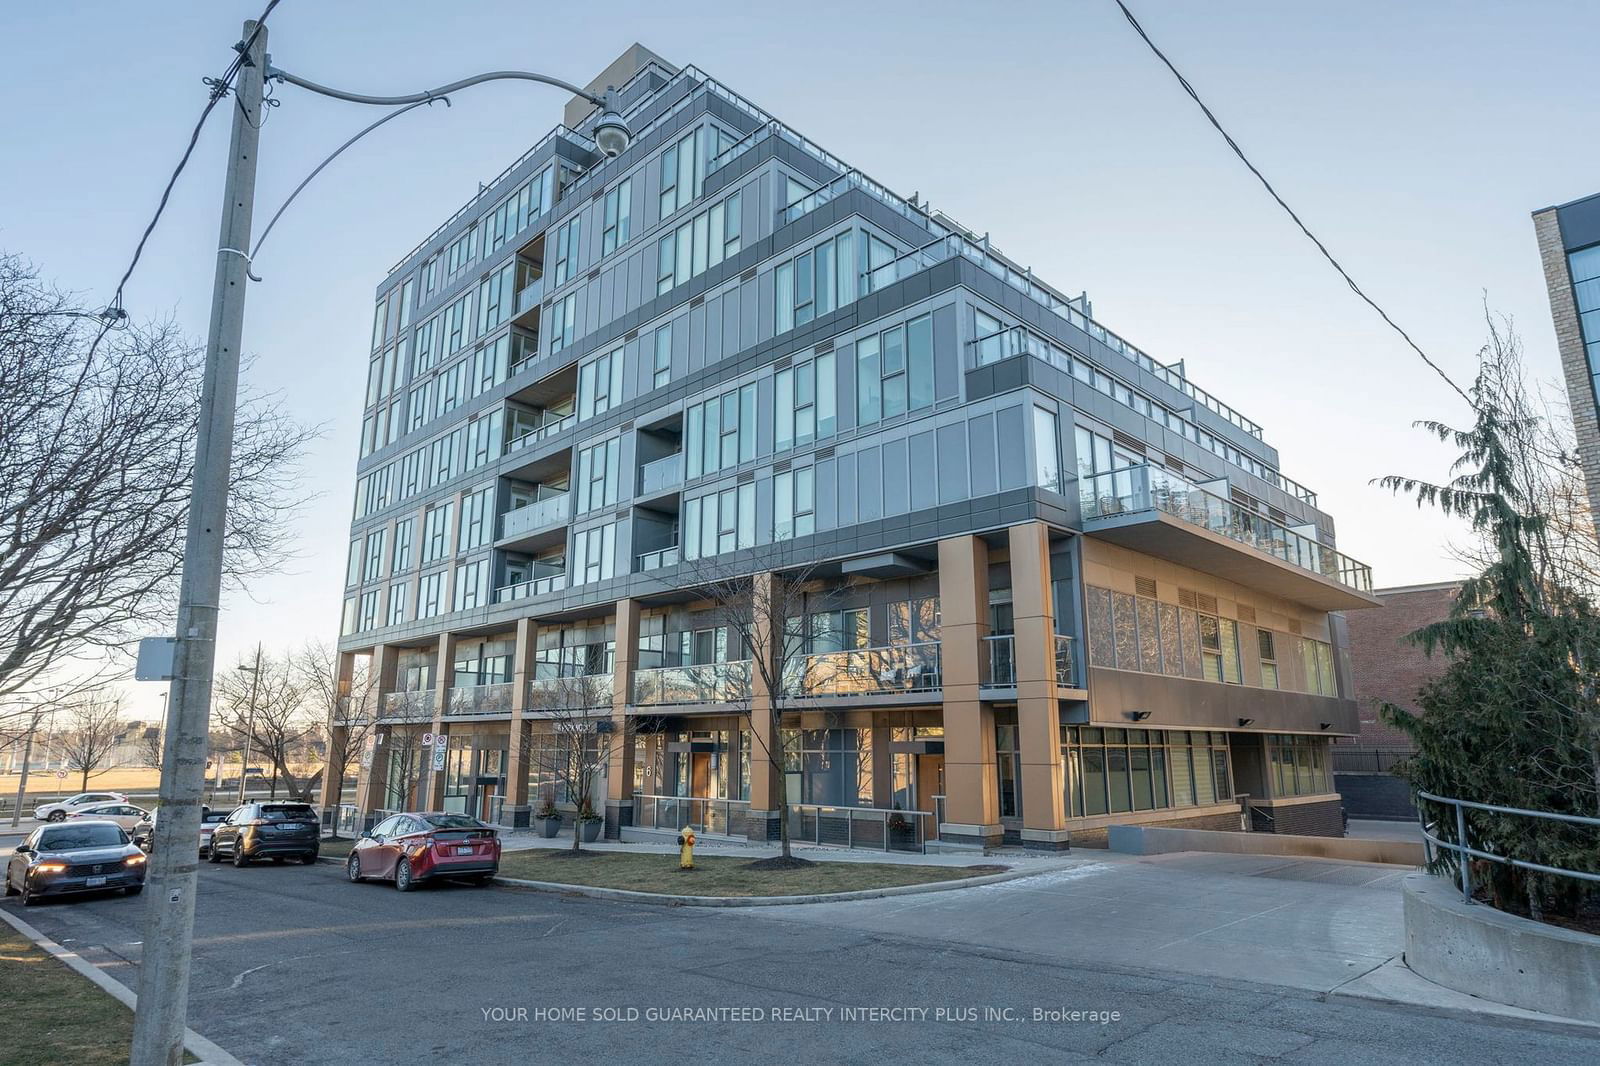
(415, 705)
(541, 432)
(708, 683)
(869, 671)
(480, 699)
(538, 515)
(529, 295)
(1003, 661)
(584, 692)
(538, 586)
(661, 474)
(657, 559)
(1157, 512)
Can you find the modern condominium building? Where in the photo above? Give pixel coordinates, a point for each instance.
(1569, 251)
(1056, 584)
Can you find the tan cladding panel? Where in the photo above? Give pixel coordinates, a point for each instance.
(1110, 566)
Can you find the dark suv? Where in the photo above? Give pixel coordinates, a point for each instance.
(268, 830)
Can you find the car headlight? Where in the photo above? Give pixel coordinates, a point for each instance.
(50, 868)
(136, 860)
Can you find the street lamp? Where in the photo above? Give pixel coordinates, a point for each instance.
(172, 872)
(250, 724)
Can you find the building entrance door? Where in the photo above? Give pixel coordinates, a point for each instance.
(488, 784)
(930, 788)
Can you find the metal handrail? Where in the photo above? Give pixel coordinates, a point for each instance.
(1463, 848)
(682, 811)
(881, 818)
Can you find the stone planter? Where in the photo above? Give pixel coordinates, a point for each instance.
(590, 830)
(549, 827)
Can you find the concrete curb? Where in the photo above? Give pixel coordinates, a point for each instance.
(207, 1052)
(663, 899)
(1396, 984)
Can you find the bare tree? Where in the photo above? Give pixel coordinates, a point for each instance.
(402, 748)
(96, 457)
(150, 741)
(348, 709)
(93, 724)
(765, 613)
(577, 711)
(280, 723)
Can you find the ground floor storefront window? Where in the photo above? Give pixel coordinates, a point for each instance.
(835, 765)
(1117, 771)
(1298, 765)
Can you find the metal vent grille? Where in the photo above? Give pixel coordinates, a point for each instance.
(1175, 464)
(634, 335)
(1243, 499)
(745, 478)
(595, 273)
(783, 363)
(1277, 515)
(825, 346)
(781, 465)
(1145, 586)
(1205, 603)
(1133, 444)
(824, 453)
(1186, 598)
(620, 512)
(748, 275)
(697, 301)
(1247, 613)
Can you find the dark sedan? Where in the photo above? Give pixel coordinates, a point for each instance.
(411, 848)
(78, 856)
(268, 830)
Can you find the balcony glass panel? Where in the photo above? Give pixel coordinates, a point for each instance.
(542, 432)
(1145, 488)
(662, 473)
(572, 693)
(480, 699)
(415, 704)
(657, 559)
(867, 671)
(551, 511)
(708, 683)
(538, 586)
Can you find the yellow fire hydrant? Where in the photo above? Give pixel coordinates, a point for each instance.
(686, 850)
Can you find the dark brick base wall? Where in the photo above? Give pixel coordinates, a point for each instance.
(1098, 838)
(1301, 819)
(1376, 796)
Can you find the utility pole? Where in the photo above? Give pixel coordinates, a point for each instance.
(160, 1021)
(250, 727)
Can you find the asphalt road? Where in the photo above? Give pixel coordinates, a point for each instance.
(293, 965)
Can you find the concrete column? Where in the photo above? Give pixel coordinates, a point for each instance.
(620, 763)
(1038, 706)
(972, 798)
(430, 789)
(766, 749)
(336, 765)
(515, 812)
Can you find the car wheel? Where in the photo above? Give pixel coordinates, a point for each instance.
(402, 876)
(133, 890)
(9, 890)
(213, 855)
(28, 898)
(352, 869)
(309, 858)
(483, 879)
(240, 859)
(57, 816)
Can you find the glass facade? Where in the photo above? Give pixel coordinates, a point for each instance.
(1119, 771)
(1584, 266)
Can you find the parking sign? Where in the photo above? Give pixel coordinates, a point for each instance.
(427, 740)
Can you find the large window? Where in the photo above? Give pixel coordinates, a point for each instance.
(477, 519)
(682, 171)
(617, 219)
(397, 603)
(894, 371)
(816, 282)
(698, 244)
(1298, 765)
(497, 297)
(436, 532)
(721, 432)
(835, 765)
(430, 595)
(661, 371)
(598, 477)
(462, 251)
(600, 385)
(517, 210)
(793, 504)
(720, 521)
(1046, 450)
(563, 322)
(374, 566)
(1584, 266)
(805, 403)
(565, 263)
(404, 531)
(456, 324)
(594, 554)
(472, 585)
(1116, 771)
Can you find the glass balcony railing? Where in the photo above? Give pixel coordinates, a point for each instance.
(416, 704)
(708, 683)
(1149, 488)
(480, 699)
(540, 432)
(661, 473)
(1003, 661)
(540, 514)
(869, 671)
(538, 586)
(657, 559)
(529, 295)
(580, 692)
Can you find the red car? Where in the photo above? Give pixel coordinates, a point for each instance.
(411, 848)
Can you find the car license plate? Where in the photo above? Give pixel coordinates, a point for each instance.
(94, 882)
(464, 851)
(292, 828)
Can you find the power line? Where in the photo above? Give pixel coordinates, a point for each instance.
(1350, 281)
(220, 87)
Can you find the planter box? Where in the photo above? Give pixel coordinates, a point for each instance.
(590, 831)
(549, 827)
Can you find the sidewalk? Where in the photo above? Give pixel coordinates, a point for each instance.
(523, 840)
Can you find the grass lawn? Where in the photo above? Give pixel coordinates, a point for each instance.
(53, 1015)
(717, 875)
(336, 849)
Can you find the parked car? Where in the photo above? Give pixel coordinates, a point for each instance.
(55, 812)
(267, 830)
(409, 849)
(144, 834)
(82, 856)
(124, 814)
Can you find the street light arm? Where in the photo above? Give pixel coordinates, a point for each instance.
(433, 94)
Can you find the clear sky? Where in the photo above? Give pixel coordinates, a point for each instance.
(1416, 138)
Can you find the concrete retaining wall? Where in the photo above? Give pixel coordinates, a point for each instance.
(1152, 840)
(1498, 956)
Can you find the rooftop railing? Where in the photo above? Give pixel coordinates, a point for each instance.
(1144, 488)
